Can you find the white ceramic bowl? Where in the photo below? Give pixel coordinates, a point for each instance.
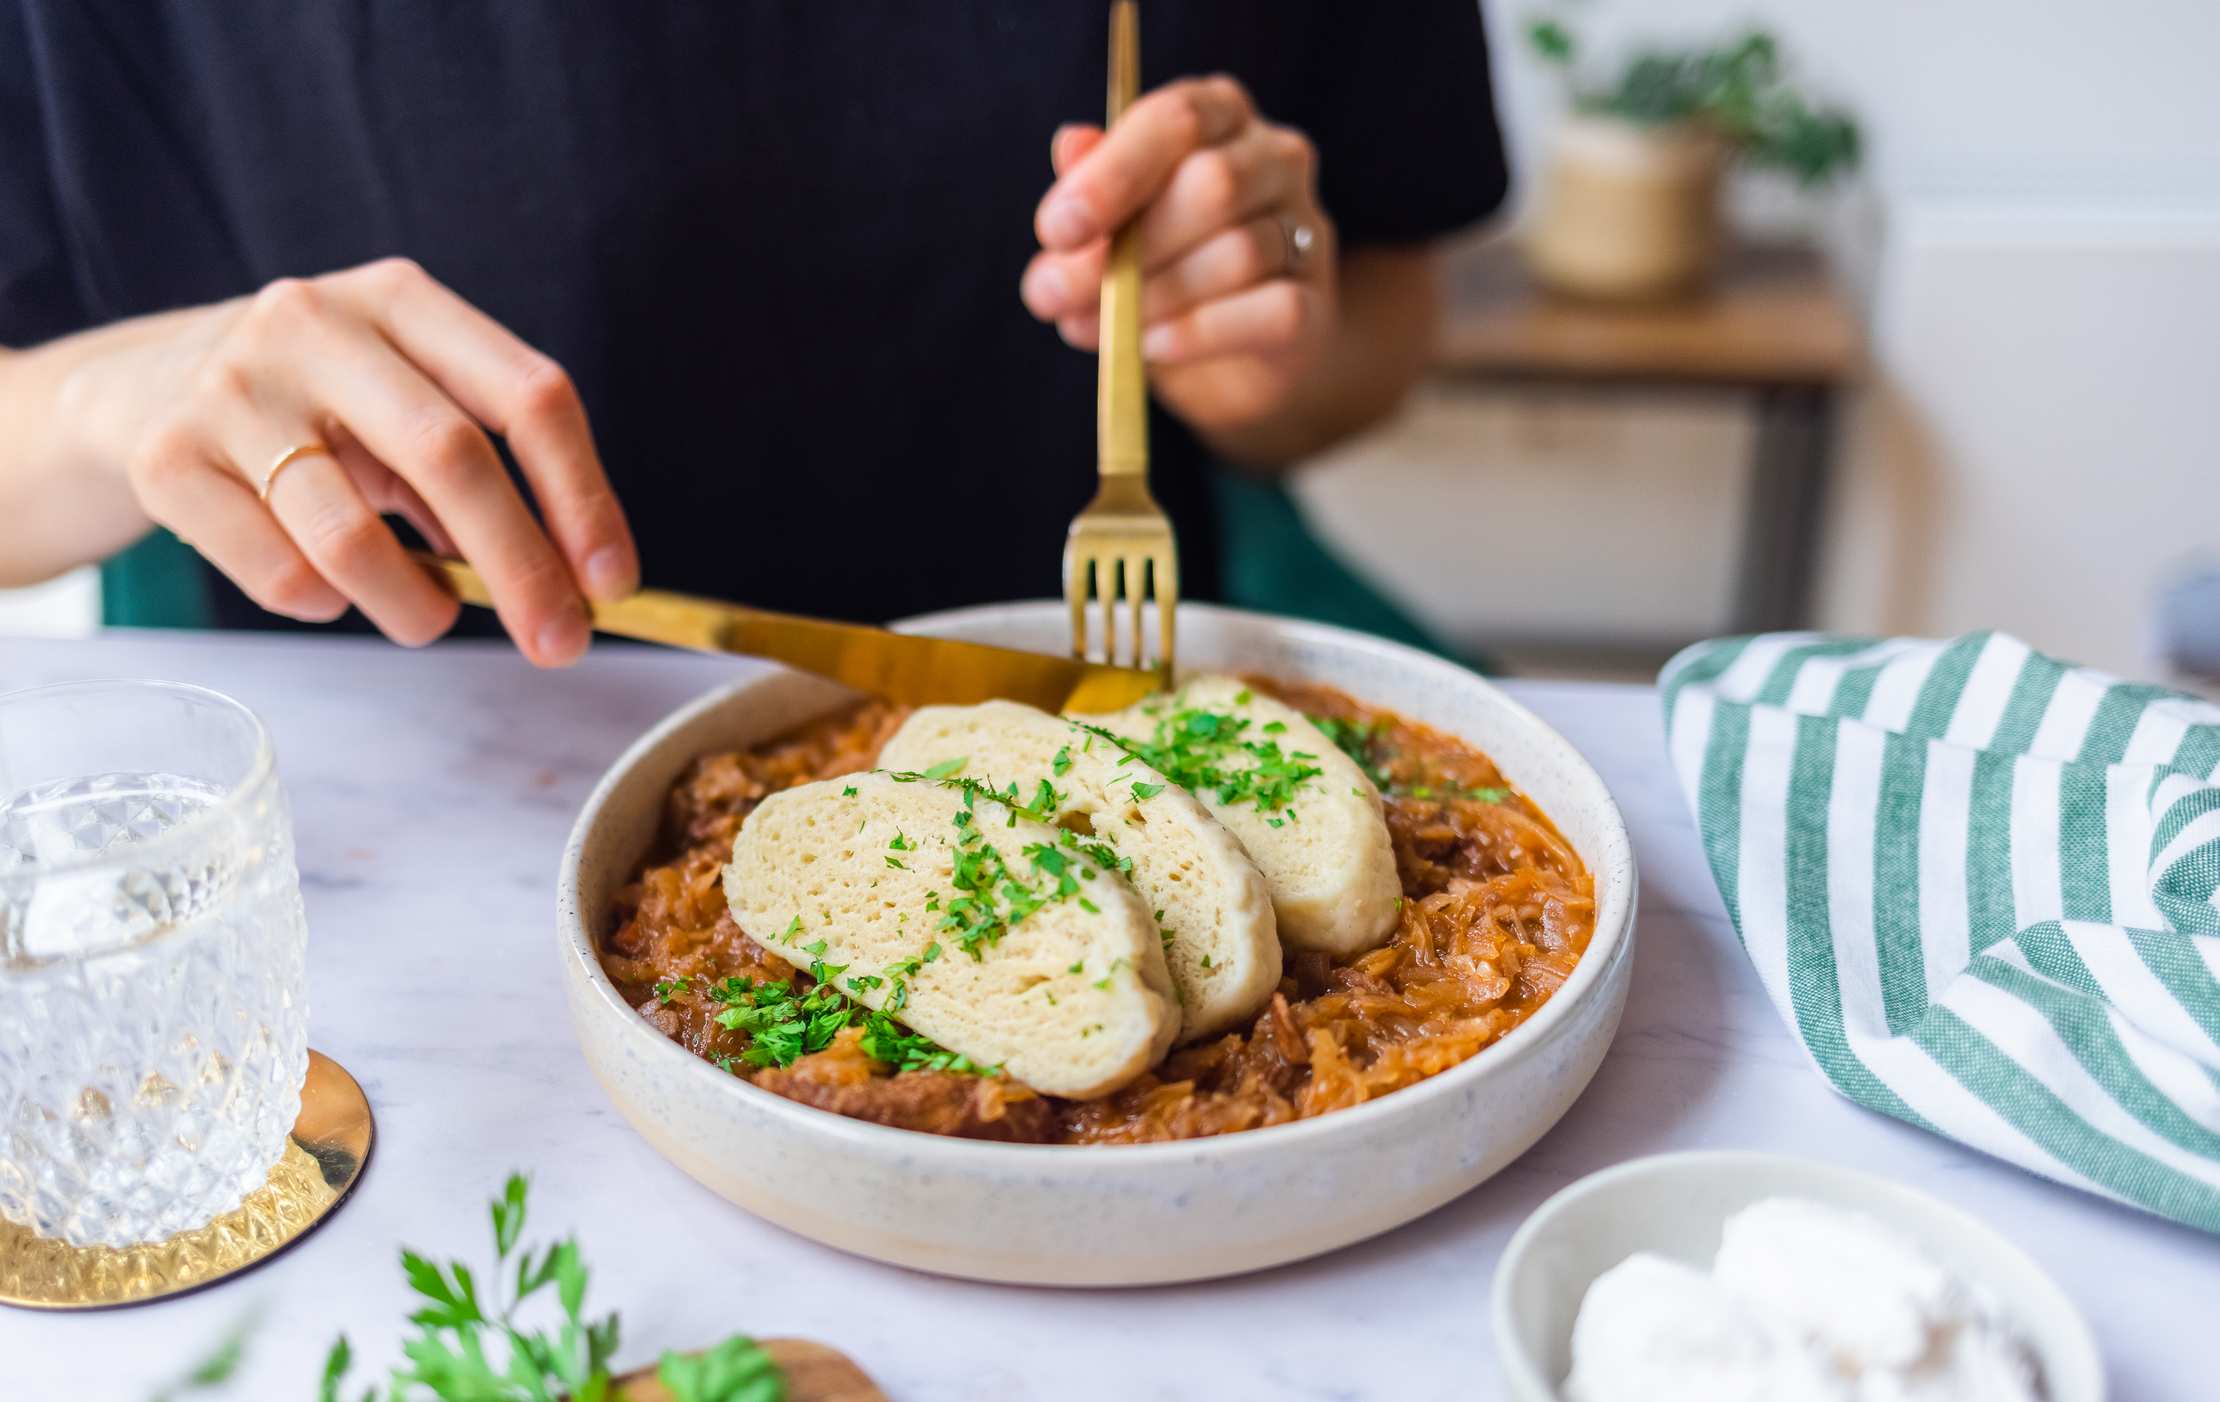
(1676, 1204)
(1125, 1214)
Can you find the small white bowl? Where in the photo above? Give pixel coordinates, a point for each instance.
(1676, 1204)
(1113, 1214)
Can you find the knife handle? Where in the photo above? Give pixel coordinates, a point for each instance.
(650, 615)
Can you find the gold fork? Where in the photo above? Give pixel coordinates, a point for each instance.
(1121, 545)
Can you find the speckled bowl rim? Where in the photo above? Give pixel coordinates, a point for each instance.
(1609, 945)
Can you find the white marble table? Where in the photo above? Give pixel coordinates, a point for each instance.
(432, 793)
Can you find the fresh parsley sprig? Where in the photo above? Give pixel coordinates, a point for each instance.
(459, 1332)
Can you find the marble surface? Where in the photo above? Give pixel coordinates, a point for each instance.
(432, 793)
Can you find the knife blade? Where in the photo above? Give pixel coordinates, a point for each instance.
(910, 669)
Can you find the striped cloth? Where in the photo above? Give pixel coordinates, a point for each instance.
(1982, 888)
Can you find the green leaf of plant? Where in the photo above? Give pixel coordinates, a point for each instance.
(1551, 40)
(508, 1216)
(570, 1278)
(336, 1364)
(736, 1370)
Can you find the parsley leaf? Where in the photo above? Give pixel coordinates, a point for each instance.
(737, 1370)
(461, 1333)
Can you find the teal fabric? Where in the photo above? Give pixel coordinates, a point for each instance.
(157, 583)
(1274, 563)
(1981, 886)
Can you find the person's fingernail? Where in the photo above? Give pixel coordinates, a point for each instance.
(608, 573)
(1045, 289)
(562, 639)
(1159, 342)
(1066, 222)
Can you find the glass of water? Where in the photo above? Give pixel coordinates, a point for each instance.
(153, 980)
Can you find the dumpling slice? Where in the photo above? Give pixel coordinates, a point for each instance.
(1306, 813)
(1221, 941)
(975, 925)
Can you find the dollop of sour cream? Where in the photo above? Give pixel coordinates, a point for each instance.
(1804, 1303)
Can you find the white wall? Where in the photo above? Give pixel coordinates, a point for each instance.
(2036, 238)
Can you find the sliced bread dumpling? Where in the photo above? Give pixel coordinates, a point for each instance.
(1306, 813)
(973, 924)
(1220, 938)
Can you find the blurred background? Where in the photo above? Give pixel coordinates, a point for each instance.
(2028, 426)
(1968, 380)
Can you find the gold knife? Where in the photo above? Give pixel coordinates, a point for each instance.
(902, 667)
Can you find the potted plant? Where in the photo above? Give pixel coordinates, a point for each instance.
(1629, 206)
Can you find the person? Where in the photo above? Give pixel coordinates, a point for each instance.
(715, 295)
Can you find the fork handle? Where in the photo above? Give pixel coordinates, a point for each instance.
(1121, 408)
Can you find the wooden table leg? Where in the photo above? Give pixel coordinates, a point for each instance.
(1787, 498)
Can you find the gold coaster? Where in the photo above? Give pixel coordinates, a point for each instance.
(323, 1159)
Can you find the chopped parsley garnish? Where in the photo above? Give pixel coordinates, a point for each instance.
(886, 1040)
(1062, 762)
(848, 792)
(783, 1025)
(947, 768)
(1354, 739)
(664, 988)
(900, 844)
(1206, 751)
(792, 929)
(1146, 791)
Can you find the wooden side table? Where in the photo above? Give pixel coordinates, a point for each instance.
(1774, 326)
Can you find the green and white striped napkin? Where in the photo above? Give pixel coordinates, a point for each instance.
(1982, 888)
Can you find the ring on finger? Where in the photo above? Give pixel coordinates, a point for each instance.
(286, 459)
(1297, 239)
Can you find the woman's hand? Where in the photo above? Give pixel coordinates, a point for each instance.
(397, 380)
(1239, 302)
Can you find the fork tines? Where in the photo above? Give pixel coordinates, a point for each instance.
(1129, 576)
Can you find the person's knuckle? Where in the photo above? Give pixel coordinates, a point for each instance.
(1180, 109)
(163, 460)
(294, 587)
(347, 537)
(1256, 252)
(544, 390)
(284, 304)
(540, 577)
(1214, 182)
(1299, 151)
(395, 273)
(225, 379)
(448, 450)
(1230, 90)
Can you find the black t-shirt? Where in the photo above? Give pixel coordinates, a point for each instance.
(776, 244)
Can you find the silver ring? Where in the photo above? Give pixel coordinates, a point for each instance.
(1300, 239)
